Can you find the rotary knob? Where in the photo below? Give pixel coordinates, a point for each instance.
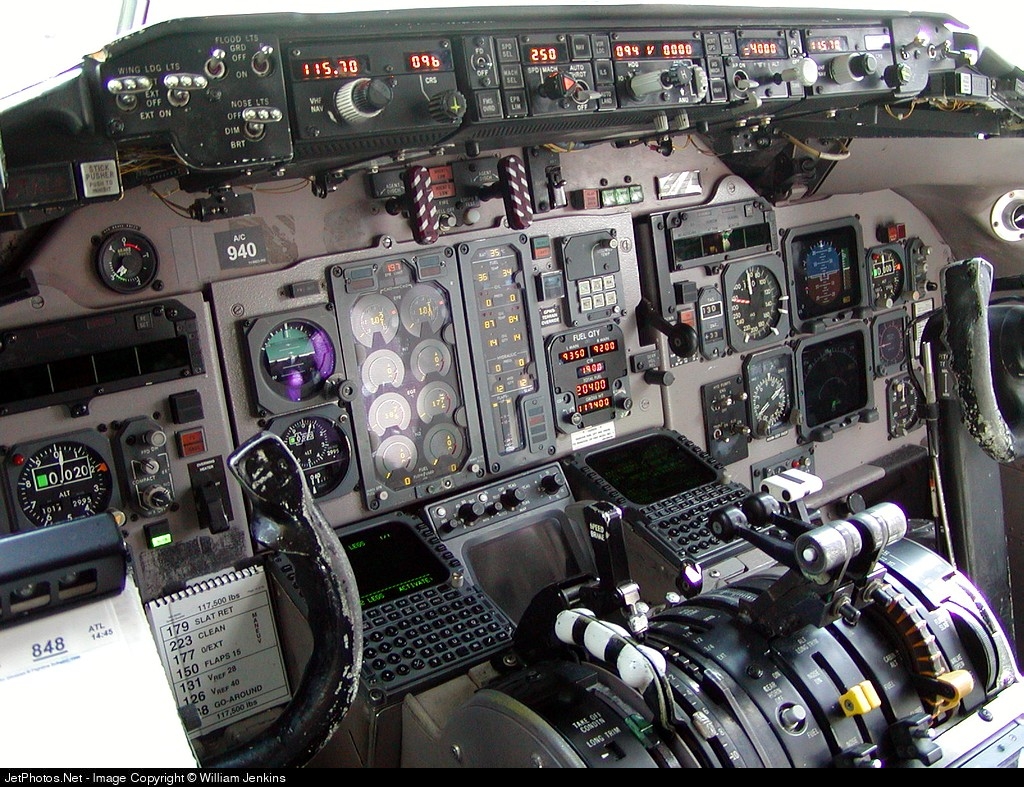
(156, 498)
(646, 84)
(803, 70)
(362, 99)
(447, 107)
(551, 484)
(513, 496)
(852, 67)
(470, 512)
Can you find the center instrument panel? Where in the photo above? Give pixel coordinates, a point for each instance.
(450, 312)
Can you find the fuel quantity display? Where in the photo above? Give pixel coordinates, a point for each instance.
(588, 370)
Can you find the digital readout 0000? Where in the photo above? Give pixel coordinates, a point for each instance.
(657, 50)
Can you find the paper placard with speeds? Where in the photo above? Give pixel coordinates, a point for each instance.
(219, 646)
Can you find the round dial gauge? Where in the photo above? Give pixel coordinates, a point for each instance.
(395, 458)
(887, 276)
(63, 481)
(126, 261)
(436, 399)
(443, 444)
(297, 357)
(903, 401)
(424, 307)
(430, 357)
(387, 411)
(373, 314)
(755, 303)
(322, 450)
(382, 367)
(770, 393)
(892, 347)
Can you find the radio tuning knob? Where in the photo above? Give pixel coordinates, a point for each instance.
(362, 99)
(551, 484)
(470, 512)
(852, 67)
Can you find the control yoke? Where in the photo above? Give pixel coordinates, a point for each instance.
(286, 520)
(986, 353)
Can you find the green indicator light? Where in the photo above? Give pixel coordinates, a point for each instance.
(642, 729)
(41, 482)
(160, 541)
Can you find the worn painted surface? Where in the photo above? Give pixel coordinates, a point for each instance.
(967, 286)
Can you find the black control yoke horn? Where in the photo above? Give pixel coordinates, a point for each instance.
(986, 352)
(286, 519)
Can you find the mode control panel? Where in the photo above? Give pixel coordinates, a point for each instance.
(498, 502)
(538, 75)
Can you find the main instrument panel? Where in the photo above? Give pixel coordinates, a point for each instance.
(464, 272)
